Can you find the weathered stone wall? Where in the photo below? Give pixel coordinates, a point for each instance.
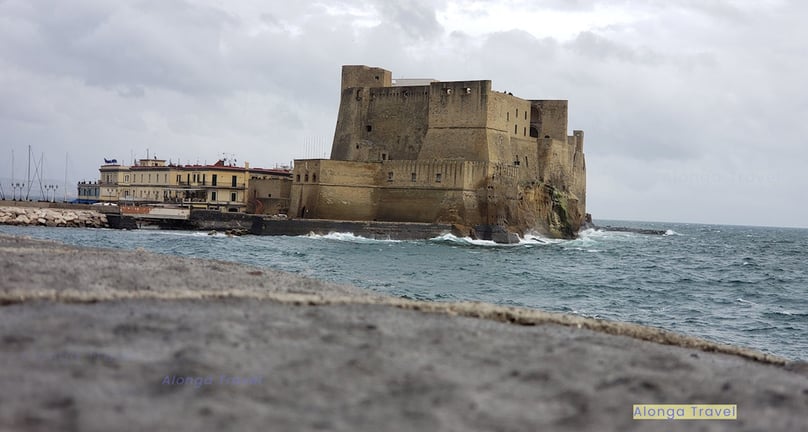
(335, 189)
(369, 229)
(458, 113)
(365, 76)
(377, 121)
(442, 191)
(216, 220)
(395, 122)
(269, 195)
(52, 217)
(416, 143)
(549, 117)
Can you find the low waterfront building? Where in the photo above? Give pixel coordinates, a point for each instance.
(222, 186)
(88, 192)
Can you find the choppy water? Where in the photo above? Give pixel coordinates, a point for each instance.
(740, 285)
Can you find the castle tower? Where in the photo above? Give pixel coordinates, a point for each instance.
(365, 76)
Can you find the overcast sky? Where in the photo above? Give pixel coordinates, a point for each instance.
(694, 111)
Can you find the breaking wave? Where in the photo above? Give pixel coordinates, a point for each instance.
(348, 237)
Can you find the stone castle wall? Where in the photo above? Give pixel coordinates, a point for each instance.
(450, 152)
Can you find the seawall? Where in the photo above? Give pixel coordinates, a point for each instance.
(369, 229)
(88, 331)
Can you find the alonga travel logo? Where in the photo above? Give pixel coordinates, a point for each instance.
(684, 412)
(199, 381)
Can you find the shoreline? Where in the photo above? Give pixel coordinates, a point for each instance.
(404, 364)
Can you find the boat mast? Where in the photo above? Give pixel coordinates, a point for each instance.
(28, 175)
(65, 196)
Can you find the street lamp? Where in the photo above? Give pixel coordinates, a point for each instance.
(16, 186)
(51, 188)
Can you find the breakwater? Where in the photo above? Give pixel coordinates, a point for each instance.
(82, 342)
(52, 217)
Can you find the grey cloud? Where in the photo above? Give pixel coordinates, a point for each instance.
(167, 44)
(687, 99)
(415, 17)
(592, 45)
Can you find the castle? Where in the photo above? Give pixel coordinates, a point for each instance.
(450, 152)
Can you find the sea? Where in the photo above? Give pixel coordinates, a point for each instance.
(738, 285)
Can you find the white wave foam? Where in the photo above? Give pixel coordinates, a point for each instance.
(671, 233)
(348, 237)
(186, 233)
(451, 238)
(533, 239)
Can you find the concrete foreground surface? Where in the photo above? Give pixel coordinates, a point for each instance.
(103, 340)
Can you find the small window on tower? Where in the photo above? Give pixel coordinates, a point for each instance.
(413, 177)
(369, 128)
(438, 177)
(390, 176)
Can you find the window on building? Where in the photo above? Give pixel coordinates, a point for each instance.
(298, 178)
(525, 115)
(307, 177)
(165, 178)
(524, 131)
(314, 178)
(232, 196)
(213, 196)
(438, 177)
(141, 178)
(203, 178)
(390, 176)
(369, 128)
(507, 116)
(233, 182)
(515, 129)
(413, 177)
(179, 178)
(384, 156)
(126, 178)
(213, 179)
(149, 178)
